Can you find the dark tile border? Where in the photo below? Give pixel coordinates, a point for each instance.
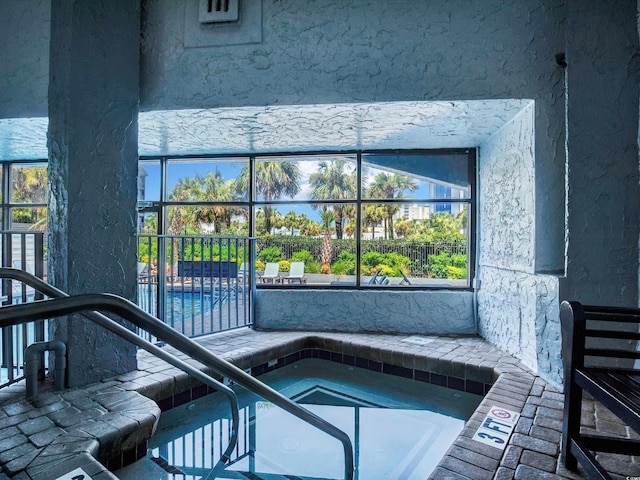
(455, 383)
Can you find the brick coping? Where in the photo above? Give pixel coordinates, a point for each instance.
(460, 362)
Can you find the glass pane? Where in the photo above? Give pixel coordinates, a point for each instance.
(208, 220)
(148, 223)
(2, 170)
(320, 236)
(29, 219)
(309, 177)
(29, 183)
(415, 244)
(149, 181)
(421, 177)
(208, 180)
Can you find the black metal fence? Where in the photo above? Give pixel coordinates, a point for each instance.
(196, 284)
(418, 252)
(25, 251)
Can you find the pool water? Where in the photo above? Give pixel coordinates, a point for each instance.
(400, 428)
(180, 305)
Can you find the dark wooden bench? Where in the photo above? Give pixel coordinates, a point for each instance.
(600, 357)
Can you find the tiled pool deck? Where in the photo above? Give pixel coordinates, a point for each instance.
(110, 421)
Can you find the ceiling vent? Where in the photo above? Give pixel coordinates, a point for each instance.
(218, 11)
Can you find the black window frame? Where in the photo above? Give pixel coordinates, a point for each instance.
(161, 206)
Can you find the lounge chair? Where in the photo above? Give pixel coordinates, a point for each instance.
(405, 280)
(296, 273)
(271, 273)
(374, 278)
(142, 268)
(243, 272)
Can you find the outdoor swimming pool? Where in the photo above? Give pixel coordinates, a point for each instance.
(183, 303)
(186, 304)
(400, 428)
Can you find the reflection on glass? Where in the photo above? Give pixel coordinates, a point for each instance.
(208, 180)
(307, 177)
(148, 223)
(227, 220)
(422, 177)
(415, 244)
(149, 180)
(29, 183)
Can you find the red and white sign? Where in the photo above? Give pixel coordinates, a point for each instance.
(77, 474)
(497, 427)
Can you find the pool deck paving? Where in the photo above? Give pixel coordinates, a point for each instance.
(103, 426)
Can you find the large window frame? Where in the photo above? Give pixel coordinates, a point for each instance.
(253, 203)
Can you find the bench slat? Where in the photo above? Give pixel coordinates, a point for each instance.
(612, 395)
(610, 353)
(591, 333)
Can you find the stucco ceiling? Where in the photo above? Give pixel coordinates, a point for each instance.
(293, 128)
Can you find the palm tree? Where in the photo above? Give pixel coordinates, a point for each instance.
(372, 216)
(186, 190)
(290, 221)
(389, 187)
(273, 180)
(308, 227)
(333, 181)
(325, 251)
(213, 188)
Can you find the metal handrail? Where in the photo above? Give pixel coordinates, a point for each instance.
(127, 334)
(129, 311)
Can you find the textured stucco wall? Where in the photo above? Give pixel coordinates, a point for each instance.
(506, 210)
(604, 194)
(372, 51)
(518, 312)
(24, 57)
(366, 311)
(517, 309)
(93, 170)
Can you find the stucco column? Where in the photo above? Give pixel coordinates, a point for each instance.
(93, 143)
(602, 126)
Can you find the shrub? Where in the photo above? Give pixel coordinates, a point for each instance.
(446, 265)
(346, 264)
(455, 272)
(439, 271)
(302, 256)
(270, 254)
(285, 265)
(372, 259)
(391, 263)
(312, 267)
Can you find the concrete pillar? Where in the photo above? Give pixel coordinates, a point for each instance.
(93, 146)
(603, 199)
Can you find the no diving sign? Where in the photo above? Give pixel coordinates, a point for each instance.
(77, 474)
(497, 427)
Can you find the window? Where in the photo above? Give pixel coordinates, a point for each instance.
(24, 195)
(358, 219)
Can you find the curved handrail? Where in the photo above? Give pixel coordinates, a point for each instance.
(127, 334)
(112, 303)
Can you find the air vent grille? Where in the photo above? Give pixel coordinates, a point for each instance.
(218, 11)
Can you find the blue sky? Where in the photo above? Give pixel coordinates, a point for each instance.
(231, 169)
